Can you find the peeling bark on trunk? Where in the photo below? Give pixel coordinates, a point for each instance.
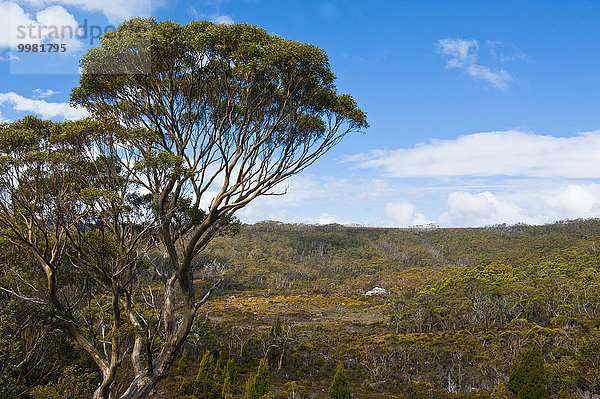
(141, 387)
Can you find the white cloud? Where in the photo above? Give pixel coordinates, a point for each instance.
(299, 192)
(459, 52)
(115, 10)
(9, 56)
(404, 214)
(221, 19)
(323, 200)
(12, 16)
(51, 25)
(505, 52)
(499, 79)
(40, 107)
(462, 54)
(61, 27)
(39, 93)
(531, 205)
(512, 153)
(326, 218)
(215, 17)
(574, 201)
(207, 199)
(488, 178)
(465, 209)
(311, 199)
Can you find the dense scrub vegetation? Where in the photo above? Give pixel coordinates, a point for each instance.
(467, 313)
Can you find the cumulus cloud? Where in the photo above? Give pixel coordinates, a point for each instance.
(462, 54)
(61, 27)
(115, 10)
(481, 209)
(312, 199)
(53, 24)
(326, 218)
(300, 191)
(40, 107)
(12, 16)
(489, 178)
(573, 201)
(404, 214)
(393, 203)
(512, 153)
(523, 205)
(450, 203)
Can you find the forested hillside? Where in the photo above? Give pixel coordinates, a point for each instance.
(466, 313)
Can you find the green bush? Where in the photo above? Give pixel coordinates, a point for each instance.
(527, 378)
(339, 388)
(259, 385)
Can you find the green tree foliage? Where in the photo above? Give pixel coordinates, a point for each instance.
(520, 284)
(588, 359)
(205, 376)
(72, 384)
(528, 376)
(229, 380)
(63, 203)
(258, 386)
(34, 353)
(213, 380)
(339, 388)
(183, 363)
(218, 375)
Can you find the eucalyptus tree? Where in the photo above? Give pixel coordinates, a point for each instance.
(81, 229)
(190, 124)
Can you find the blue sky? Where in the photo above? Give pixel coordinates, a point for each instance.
(481, 112)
